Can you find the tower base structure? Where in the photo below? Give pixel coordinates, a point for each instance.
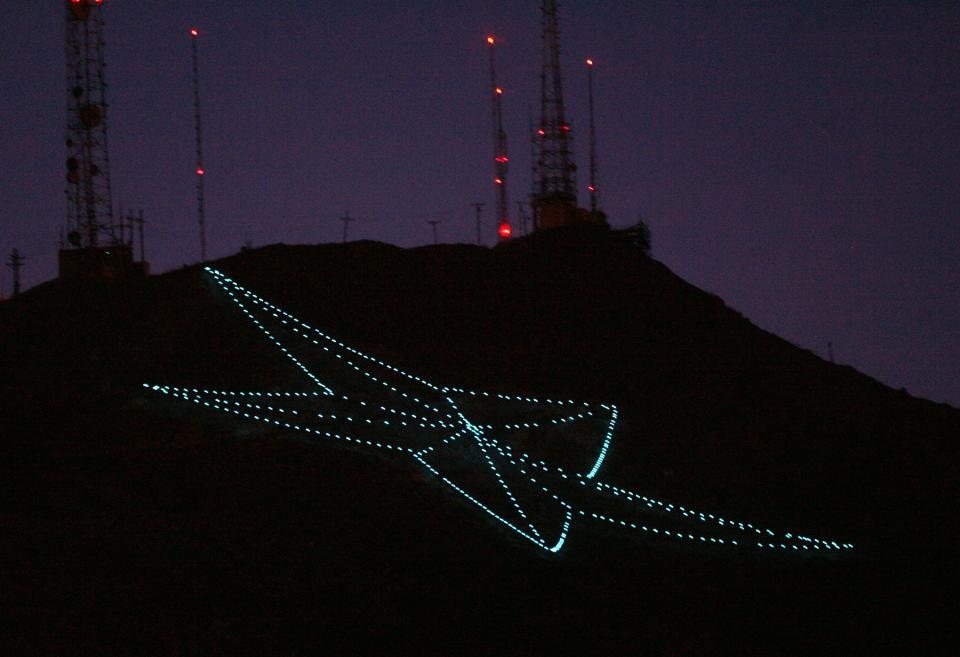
(554, 215)
(100, 263)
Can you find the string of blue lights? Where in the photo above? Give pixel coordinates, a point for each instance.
(433, 425)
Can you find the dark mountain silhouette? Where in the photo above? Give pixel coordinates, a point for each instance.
(133, 524)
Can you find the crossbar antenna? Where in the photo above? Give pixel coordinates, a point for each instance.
(346, 219)
(16, 264)
(198, 130)
(500, 157)
(433, 225)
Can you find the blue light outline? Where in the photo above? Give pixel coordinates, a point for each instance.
(445, 420)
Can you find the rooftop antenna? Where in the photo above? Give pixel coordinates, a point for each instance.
(556, 185)
(89, 206)
(479, 208)
(499, 147)
(433, 224)
(198, 129)
(592, 187)
(16, 264)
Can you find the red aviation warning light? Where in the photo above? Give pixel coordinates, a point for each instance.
(200, 172)
(589, 62)
(194, 32)
(491, 40)
(505, 231)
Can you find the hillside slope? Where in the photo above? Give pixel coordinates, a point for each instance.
(151, 527)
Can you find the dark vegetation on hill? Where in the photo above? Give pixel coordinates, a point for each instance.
(133, 524)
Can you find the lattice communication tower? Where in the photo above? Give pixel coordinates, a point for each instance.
(556, 171)
(89, 207)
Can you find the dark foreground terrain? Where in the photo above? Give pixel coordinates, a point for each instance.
(135, 524)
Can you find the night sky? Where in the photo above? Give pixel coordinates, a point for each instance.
(799, 159)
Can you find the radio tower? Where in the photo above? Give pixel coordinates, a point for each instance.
(201, 217)
(592, 187)
(499, 148)
(555, 199)
(89, 207)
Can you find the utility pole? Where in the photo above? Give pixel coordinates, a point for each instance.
(198, 132)
(479, 208)
(592, 187)
(499, 147)
(15, 264)
(433, 224)
(346, 219)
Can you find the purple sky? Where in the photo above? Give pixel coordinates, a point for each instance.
(801, 161)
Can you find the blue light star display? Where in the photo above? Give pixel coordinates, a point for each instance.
(529, 463)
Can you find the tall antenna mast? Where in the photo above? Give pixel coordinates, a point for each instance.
(556, 184)
(200, 171)
(89, 205)
(499, 148)
(592, 187)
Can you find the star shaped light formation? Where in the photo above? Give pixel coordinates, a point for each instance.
(531, 464)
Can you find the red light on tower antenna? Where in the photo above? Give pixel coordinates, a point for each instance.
(589, 62)
(499, 91)
(505, 231)
(490, 40)
(194, 32)
(200, 172)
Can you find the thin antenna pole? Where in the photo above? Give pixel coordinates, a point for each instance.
(592, 187)
(200, 171)
(433, 224)
(143, 257)
(479, 208)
